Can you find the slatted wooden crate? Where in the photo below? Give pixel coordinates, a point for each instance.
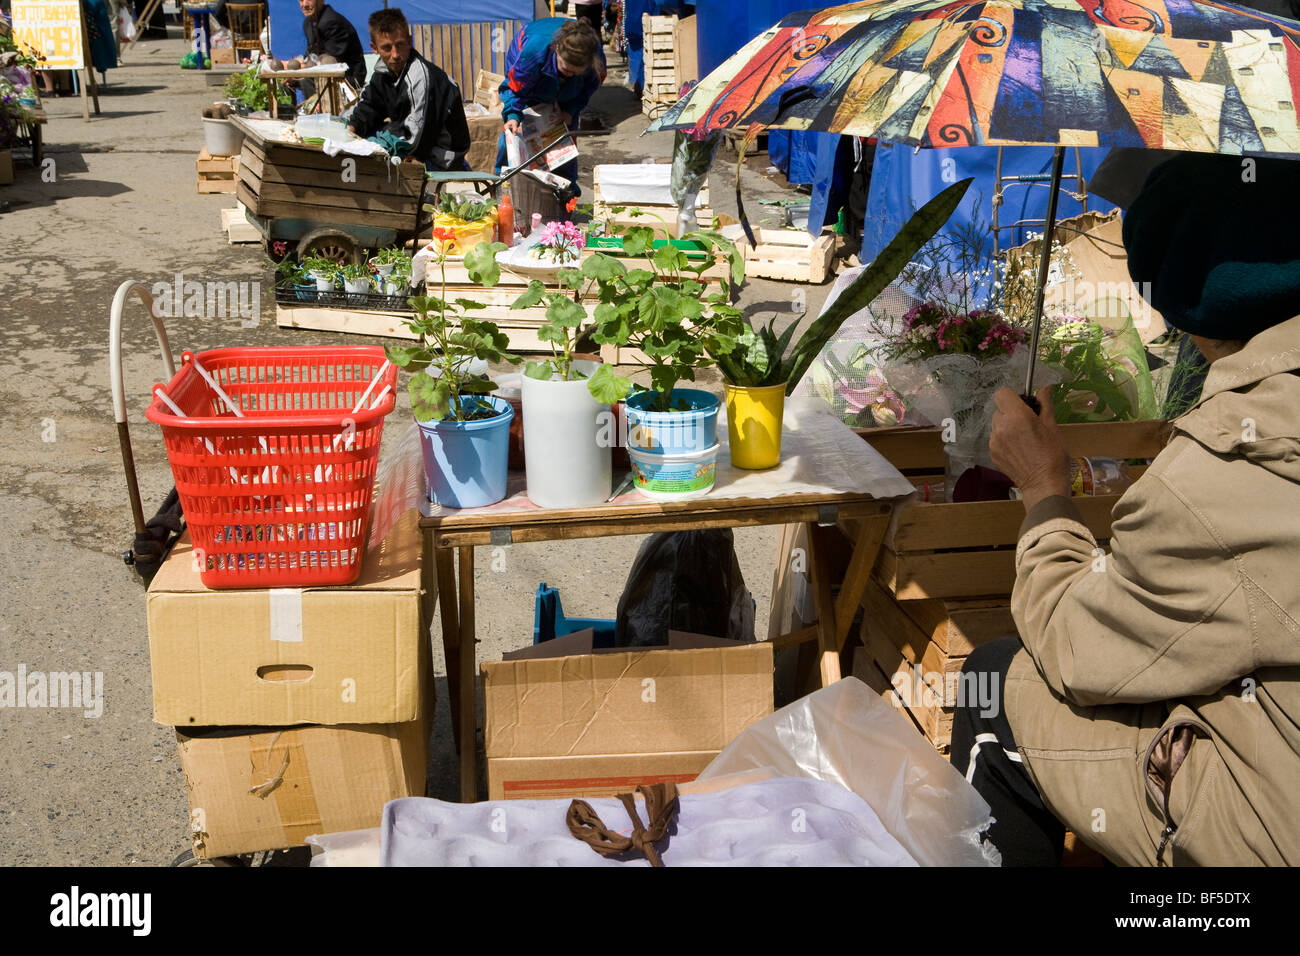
(301, 182)
(967, 549)
(789, 254)
(217, 174)
(523, 334)
(462, 50)
(661, 217)
(670, 59)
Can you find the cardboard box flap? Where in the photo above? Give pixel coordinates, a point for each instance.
(644, 701)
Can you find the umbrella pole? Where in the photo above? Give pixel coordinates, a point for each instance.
(1044, 260)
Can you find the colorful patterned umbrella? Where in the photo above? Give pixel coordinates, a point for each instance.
(1178, 74)
(1175, 74)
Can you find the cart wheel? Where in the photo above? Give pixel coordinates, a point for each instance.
(189, 859)
(331, 245)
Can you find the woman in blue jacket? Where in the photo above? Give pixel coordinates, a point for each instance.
(553, 61)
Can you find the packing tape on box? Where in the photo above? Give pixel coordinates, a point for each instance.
(286, 615)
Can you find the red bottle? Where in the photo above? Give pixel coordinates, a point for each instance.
(506, 221)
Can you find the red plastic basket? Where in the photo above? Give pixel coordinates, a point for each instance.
(281, 496)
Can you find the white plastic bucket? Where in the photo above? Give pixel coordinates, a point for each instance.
(674, 477)
(568, 441)
(222, 137)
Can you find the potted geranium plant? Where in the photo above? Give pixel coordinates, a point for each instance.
(464, 429)
(356, 278)
(669, 315)
(324, 271)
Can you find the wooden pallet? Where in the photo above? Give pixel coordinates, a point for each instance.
(217, 174)
(967, 549)
(523, 335)
(788, 254)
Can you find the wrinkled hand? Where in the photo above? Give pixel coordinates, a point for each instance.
(512, 126)
(1028, 448)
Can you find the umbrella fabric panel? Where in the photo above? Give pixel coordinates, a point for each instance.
(1178, 74)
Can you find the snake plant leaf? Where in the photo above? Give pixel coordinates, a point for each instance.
(883, 270)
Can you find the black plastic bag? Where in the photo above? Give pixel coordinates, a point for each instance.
(684, 581)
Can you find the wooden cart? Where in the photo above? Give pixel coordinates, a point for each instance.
(333, 206)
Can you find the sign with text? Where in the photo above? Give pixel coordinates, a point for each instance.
(52, 27)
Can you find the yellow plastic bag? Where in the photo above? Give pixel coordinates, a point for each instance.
(466, 234)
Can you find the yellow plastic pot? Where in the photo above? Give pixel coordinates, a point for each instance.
(754, 425)
(466, 235)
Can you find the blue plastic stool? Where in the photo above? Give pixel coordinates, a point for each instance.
(549, 620)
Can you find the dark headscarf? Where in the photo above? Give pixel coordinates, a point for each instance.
(1214, 243)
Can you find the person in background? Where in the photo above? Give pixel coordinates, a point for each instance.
(1151, 702)
(410, 98)
(329, 32)
(554, 61)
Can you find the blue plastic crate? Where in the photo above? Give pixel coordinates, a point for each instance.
(549, 620)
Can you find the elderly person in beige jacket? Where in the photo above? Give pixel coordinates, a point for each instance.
(1154, 706)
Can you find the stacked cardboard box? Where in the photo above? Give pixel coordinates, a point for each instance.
(564, 720)
(297, 711)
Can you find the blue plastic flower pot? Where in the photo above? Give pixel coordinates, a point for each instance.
(673, 433)
(304, 292)
(466, 461)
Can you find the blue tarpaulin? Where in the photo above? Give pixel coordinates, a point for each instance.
(286, 17)
(904, 179)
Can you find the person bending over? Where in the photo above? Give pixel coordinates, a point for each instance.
(410, 98)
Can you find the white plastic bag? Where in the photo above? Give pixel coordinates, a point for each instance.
(847, 734)
(125, 25)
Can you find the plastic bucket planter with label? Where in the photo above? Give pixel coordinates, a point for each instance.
(673, 433)
(466, 461)
(674, 477)
(754, 425)
(567, 441)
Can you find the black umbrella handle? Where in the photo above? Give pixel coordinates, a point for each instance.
(1034, 404)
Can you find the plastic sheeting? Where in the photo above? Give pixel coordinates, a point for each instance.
(845, 733)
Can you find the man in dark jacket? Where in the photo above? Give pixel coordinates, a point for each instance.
(328, 32)
(410, 98)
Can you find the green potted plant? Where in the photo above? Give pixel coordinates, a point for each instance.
(356, 278)
(668, 314)
(293, 275)
(760, 368)
(387, 259)
(464, 430)
(324, 271)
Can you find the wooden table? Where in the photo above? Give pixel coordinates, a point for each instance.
(332, 74)
(455, 534)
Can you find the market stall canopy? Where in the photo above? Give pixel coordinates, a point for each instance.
(1174, 74)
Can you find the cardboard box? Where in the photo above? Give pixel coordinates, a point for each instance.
(285, 656)
(599, 723)
(274, 788)
(484, 134)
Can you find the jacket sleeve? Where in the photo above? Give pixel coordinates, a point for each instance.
(370, 112)
(1163, 615)
(523, 70)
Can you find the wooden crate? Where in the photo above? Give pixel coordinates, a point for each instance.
(670, 58)
(967, 549)
(301, 182)
(216, 174)
(487, 90)
(789, 254)
(658, 216)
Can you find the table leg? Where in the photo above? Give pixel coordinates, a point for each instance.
(468, 667)
(828, 655)
(866, 548)
(445, 563)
